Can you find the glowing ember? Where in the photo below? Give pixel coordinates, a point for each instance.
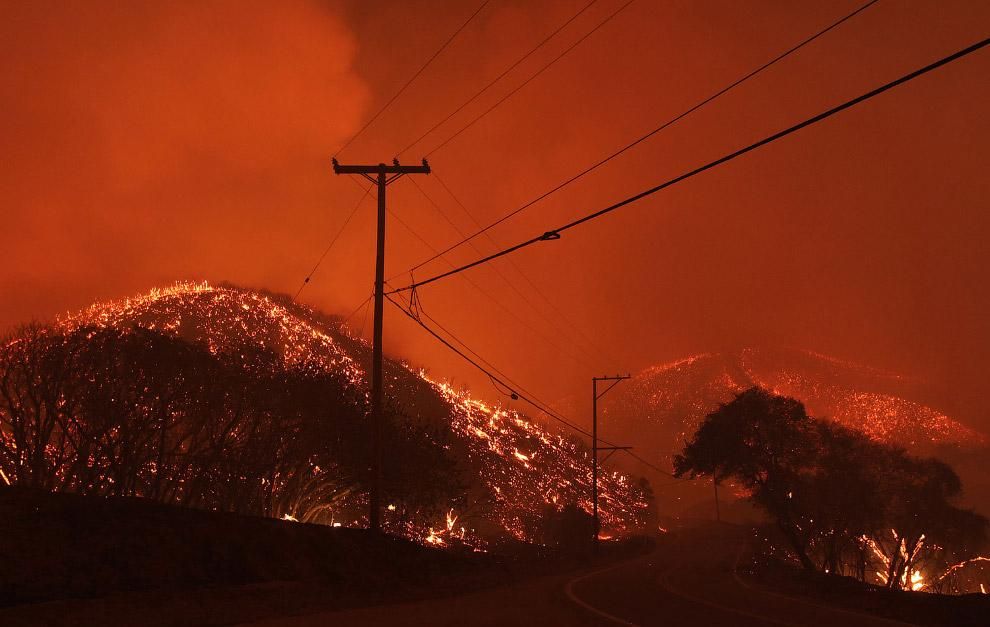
(521, 466)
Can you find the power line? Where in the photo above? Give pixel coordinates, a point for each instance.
(495, 377)
(498, 78)
(498, 303)
(492, 298)
(653, 132)
(419, 312)
(515, 388)
(493, 373)
(358, 308)
(530, 79)
(555, 233)
(539, 292)
(411, 79)
(364, 320)
(332, 242)
(498, 272)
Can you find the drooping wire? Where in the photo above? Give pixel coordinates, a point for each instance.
(359, 307)
(528, 301)
(522, 396)
(651, 133)
(411, 79)
(364, 322)
(498, 303)
(418, 313)
(555, 233)
(491, 83)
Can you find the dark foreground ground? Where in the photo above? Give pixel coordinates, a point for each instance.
(691, 578)
(126, 562)
(71, 560)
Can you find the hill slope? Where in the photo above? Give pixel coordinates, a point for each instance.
(665, 403)
(517, 468)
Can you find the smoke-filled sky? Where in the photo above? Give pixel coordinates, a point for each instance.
(144, 143)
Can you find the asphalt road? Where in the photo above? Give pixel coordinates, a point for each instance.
(689, 580)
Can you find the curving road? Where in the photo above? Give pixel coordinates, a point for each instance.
(689, 580)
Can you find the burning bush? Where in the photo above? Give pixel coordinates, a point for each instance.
(845, 504)
(139, 413)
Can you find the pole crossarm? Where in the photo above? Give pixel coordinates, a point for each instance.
(394, 168)
(616, 380)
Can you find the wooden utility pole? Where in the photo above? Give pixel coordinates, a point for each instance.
(594, 443)
(380, 175)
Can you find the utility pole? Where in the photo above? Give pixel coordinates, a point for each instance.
(594, 443)
(380, 175)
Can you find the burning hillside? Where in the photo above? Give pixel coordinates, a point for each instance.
(516, 470)
(666, 403)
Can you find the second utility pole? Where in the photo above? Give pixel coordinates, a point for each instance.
(384, 174)
(594, 443)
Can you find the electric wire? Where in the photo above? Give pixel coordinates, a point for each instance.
(522, 396)
(528, 301)
(555, 233)
(525, 276)
(364, 321)
(419, 312)
(491, 372)
(358, 308)
(497, 78)
(478, 287)
(332, 242)
(530, 79)
(498, 303)
(411, 79)
(653, 132)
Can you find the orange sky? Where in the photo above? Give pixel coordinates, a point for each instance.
(142, 145)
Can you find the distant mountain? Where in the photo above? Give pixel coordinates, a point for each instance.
(664, 404)
(518, 468)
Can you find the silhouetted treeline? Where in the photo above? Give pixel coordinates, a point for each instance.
(140, 413)
(844, 503)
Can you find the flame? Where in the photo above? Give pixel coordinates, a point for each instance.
(917, 581)
(434, 537)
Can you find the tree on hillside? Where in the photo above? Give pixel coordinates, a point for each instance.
(764, 442)
(845, 504)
